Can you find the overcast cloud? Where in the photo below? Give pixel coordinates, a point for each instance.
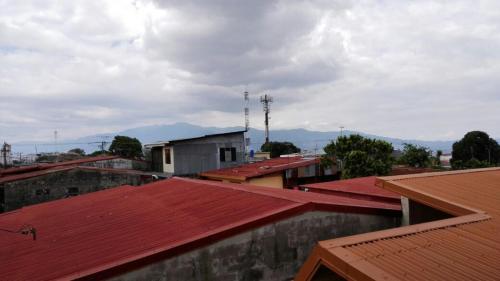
(410, 69)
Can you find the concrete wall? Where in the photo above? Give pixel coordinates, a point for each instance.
(272, 252)
(275, 181)
(60, 185)
(200, 155)
(119, 163)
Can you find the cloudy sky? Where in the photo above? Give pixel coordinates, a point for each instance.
(410, 69)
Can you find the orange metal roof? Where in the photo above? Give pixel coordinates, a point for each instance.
(466, 247)
(260, 168)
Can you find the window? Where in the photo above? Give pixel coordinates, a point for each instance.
(168, 159)
(222, 154)
(227, 154)
(233, 154)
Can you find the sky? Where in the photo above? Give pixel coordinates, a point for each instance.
(425, 70)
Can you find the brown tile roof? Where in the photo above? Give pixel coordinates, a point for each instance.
(466, 247)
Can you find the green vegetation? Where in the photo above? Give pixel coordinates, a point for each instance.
(416, 156)
(279, 148)
(359, 156)
(475, 150)
(78, 151)
(126, 147)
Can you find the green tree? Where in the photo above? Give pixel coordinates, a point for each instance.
(359, 156)
(476, 149)
(279, 148)
(416, 156)
(78, 151)
(126, 147)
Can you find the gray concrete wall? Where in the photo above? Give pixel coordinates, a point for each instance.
(272, 252)
(119, 163)
(194, 158)
(200, 155)
(56, 185)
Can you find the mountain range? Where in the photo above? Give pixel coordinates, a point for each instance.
(312, 141)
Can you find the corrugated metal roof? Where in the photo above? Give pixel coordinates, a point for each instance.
(363, 187)
(38, 167)
(261, 168)
(466, 247)
(163, 143)
(122, 227)
(37, 173)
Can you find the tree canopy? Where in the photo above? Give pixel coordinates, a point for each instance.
(475, 150)
(126, 147)
(279, 148)
(360, 156)
(416, 156)
(78, 151)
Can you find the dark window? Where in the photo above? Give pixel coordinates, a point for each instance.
(233, 154)
(222, 154)
(168, 159)
(227, 154)
(39, 191)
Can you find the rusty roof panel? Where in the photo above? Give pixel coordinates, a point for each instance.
(261, 168)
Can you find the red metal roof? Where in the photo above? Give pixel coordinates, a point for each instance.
(260, 168)
(37, 167)
(364, 187)
(37, 173)
(112, 230)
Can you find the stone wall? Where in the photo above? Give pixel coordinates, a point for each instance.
(62, 184)
(272, 252)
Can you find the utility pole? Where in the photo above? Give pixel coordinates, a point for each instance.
(341, 131)
(247, 111)
(266, 100)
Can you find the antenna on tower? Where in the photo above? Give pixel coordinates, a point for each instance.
(266, 100)
(247, 111)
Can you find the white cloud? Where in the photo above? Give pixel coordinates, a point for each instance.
(412, 69)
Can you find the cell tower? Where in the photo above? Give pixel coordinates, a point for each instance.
(266, 101)
(247, 112)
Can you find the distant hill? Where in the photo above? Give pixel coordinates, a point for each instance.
(305, 139)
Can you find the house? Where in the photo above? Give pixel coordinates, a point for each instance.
(57, 182)
(180, 229)
(282, 172)
(454, 234)
(196, 155)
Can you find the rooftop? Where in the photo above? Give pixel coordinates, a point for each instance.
(106, 231)
(466, 247)
(46, 171)
(162, 143)
(38, 167)
(261, 168)
(364, 187)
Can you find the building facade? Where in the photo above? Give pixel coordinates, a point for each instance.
(196, 155)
